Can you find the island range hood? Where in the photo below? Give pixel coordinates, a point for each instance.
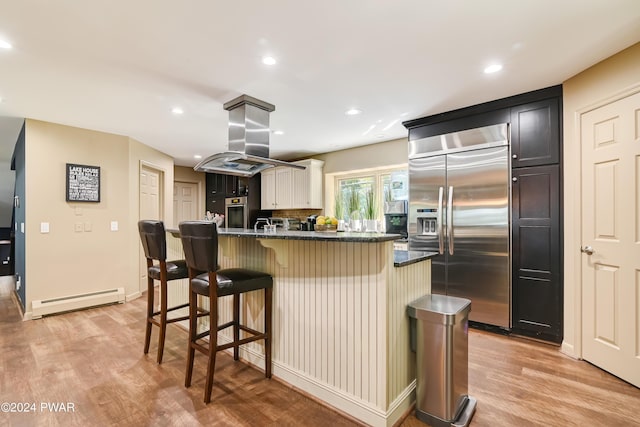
(248, 141)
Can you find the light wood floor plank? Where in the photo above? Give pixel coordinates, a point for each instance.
(94, 359)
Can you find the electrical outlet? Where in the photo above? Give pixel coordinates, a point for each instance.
(87, 226)
(78, 227)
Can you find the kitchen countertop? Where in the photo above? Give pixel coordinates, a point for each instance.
(303, 235)
(402, 258)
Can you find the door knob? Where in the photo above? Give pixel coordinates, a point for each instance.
(587, 250)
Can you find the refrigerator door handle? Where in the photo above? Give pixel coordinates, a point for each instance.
(450, 220)
(439, 219)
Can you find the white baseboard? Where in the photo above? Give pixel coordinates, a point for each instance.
(338, 399)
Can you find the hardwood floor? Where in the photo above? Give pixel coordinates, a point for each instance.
(93, 359)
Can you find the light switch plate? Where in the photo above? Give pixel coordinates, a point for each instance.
(114, 225)
(22, 227)
(44, 227)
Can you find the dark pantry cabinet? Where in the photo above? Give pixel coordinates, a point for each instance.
(536, 290)
(535, 121)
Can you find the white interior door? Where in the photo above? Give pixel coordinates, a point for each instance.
(150, 208)
(610, 141)
(185, 202)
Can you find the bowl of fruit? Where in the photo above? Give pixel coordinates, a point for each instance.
(326, 223)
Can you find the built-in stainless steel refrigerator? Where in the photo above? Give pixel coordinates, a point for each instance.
(459, 206)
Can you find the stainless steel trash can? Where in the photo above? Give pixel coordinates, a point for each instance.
(441, 345)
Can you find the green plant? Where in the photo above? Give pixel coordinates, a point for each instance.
(388, 194)
(370, 205)
(353, 204)
(338, 206)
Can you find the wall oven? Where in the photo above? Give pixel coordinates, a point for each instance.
(236, 213)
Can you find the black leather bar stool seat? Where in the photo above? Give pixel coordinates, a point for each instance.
(154, 243)
(175, 270)
(200, 244)
(232, 281)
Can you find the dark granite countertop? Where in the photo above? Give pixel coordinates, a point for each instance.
(303, 235)
(402, 258)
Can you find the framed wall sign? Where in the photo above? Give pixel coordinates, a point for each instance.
(83, 183)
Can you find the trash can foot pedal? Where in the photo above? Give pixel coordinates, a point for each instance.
(463, 419)
(467, 412)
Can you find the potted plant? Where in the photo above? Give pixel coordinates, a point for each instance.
(388, 197)
(338, 208)
(353, 206)
(370, 211)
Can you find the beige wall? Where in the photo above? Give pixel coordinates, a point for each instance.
(389, 153)
(65, 261)
(612, 76)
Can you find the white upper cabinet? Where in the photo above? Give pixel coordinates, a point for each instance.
(289, 188)
(307, 185)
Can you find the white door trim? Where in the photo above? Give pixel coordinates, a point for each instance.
(142, 285)
(573, 218)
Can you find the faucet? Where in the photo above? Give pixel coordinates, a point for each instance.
(255, 227)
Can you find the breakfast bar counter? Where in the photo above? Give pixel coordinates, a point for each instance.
(340, 329)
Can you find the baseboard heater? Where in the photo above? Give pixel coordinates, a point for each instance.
(41, 308)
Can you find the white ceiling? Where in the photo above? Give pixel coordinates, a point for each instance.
(120, 66)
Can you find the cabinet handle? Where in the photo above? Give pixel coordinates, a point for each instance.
(514, 179)
(515, 156)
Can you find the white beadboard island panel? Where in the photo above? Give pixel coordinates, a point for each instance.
(340, 327)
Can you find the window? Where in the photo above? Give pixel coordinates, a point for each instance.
(355, 192)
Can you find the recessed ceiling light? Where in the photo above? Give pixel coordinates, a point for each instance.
(353, 112)
(269, 60)
(197, 156)
(5, 44)
(278, 132)
(380, 135)
(177, 110)
(494, 68)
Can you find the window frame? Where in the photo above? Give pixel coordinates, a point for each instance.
(377, 173)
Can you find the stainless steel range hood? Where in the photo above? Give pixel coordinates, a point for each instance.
(248, 140)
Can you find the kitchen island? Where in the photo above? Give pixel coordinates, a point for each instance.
(340, 332)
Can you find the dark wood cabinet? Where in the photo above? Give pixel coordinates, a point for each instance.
(536, 235)
(231, 186)
(535, 133)
(216, 192)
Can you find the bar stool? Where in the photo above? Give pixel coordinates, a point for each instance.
(200, 244)
(154, 242)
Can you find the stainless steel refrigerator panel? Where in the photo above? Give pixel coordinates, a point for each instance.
(478, 263)
(427, 180)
